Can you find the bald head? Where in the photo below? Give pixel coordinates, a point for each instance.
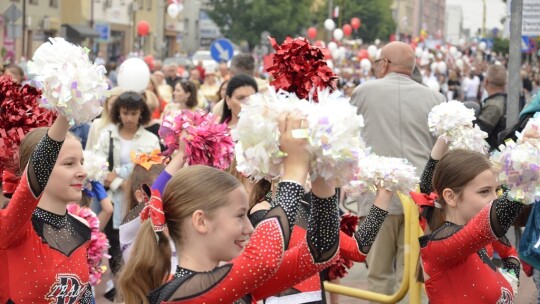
(401, 56)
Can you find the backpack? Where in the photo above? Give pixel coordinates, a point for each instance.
(529, 245)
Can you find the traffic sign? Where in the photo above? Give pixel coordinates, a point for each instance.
(104, 31)
(13, 13)
(221, 50)
(528, 44)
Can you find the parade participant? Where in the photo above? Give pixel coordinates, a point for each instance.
(466, 217)
(147, 169)
(353, 248)
(209, 227)
(43, 249)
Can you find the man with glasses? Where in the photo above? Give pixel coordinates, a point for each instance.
(395, 109)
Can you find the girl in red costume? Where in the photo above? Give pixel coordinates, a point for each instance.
(467, 217)
(205, 211)
(43, 249)
(355, 248)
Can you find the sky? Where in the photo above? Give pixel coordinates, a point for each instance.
(472, 13)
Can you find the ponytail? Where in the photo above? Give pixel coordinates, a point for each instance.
(149, 265)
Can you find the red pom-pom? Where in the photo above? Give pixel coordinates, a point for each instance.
(19, 114)
(339, 268)
(207, 142)
(300, 68)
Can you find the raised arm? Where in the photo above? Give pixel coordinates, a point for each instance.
(15, 220)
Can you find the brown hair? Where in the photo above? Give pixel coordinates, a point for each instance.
(138, 177)
(185, 193)
(28, 145)
(130, 101)
(189, 87)
(259, 192)
(454, 171)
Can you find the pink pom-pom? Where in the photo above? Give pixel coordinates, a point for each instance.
(98, 246)
(206, 141)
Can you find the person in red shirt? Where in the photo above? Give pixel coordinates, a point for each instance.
(205, 211)
(43, 249)
(467, 217)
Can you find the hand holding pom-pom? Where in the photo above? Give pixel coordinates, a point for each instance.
(454, 122)
(205, 141)
(71, 84)
(518, 166)
(394, 174)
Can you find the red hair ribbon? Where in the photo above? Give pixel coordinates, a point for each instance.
(153, 209)
(423, 200)
(10, 182)
(147, 160)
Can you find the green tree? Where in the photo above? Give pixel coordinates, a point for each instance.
(501, 46)
(245, 20)
(376, 16)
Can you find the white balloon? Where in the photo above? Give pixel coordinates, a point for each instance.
(442, 67)
(372, 51)
(462, 41)
(329, 24)
(378, 53)
(133, 75)
(482, 46)
(443, 49)
(418, 52)
(172, 10)
(459, 54)
(332, 46)
(453, 50)
(365, 64)
(439, 56)
(377, 41)
(338, 34)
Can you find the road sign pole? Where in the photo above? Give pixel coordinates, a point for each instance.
(514, 63)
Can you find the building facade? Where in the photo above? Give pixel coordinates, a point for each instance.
(454, 24)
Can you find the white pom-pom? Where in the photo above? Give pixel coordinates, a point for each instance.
(394, 174)
(96, 166)
(518, 166)
(71, 84)
(453, 121)
(335, 138)
(257, 134)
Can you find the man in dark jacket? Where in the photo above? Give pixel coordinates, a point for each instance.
(492, 118)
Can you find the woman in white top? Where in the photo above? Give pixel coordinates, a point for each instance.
(129, 114)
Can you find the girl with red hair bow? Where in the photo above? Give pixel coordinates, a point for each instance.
(465, 218)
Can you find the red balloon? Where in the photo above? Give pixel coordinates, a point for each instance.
(347, 29)
(356, 22)
(143, 28)
(312, 32)
(363, 53)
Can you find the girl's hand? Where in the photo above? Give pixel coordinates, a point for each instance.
(439, 149)
(296, 163)
(383, 197)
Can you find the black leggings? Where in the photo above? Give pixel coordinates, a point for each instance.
(115, 262)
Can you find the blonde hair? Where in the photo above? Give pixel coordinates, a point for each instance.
(185, 193)
(151, 100)
(105, 115)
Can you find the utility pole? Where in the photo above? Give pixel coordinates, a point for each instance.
(24, 29)
(514, 63)
(484, 19)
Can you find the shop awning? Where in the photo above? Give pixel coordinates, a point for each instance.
(80, 30)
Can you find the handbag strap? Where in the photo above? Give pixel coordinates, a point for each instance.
(111, 148)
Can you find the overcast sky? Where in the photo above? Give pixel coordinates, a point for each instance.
(473, 10)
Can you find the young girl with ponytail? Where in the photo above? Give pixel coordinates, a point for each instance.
(205, 213)
(464, 216)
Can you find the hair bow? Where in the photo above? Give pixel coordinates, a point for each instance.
(425, 204)
(10, 182)
(147, 160)
(153, 209)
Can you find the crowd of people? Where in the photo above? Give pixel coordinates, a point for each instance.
(196, 234)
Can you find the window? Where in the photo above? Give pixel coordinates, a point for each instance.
(148, 5)
(33, 1)
(53, 3)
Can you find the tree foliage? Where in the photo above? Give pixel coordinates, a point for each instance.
(246, 20)
(376, 16)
